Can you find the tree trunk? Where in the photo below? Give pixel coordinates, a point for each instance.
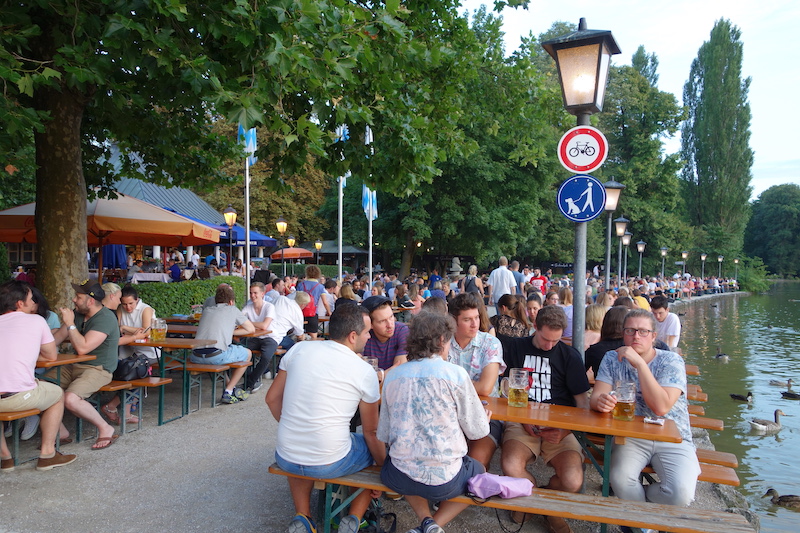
(408, 255)
(60, 197)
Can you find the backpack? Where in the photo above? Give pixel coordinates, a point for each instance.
(311, 308)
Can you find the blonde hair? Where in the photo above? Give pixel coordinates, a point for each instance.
(302, 298)
(565, 295)
(111, 288)
(594, 317)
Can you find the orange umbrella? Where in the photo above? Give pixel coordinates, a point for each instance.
(292, 253)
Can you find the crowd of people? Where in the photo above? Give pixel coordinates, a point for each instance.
(407, 360)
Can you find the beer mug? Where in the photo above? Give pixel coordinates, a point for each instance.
(372, 361)
(625, 392)
(515, 387)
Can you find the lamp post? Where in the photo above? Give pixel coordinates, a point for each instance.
(282, 225)
(290, 243)
(230, 220)
(719, 260)
(684, 255)
(318, 246)
(640, 246)
(703, 267)
(626, 241)
(664, 251)
(620, 226)
(613, 191)
(736, 274)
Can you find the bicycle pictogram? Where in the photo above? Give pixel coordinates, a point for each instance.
(582, 148)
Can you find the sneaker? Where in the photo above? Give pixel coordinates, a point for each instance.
(302, 524)
(228, 397)
(240, 394)
(7, 465)
(430, 526)
(30, 427)
(268, 374)
(59, 459)
(349, 524)
(556, 524)
(415, 530)
(254, 387)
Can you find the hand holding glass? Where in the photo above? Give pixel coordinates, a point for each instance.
(625, 392)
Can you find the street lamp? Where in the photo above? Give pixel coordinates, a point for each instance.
(626, 241)
(290, 243)
(613, 191)
(620, 226)
(640, 248)
(318, 246)
(282, 225)
(703, 267)
(736, 274)
(230, 220)
(684, 255)
(719, 260)
(664, 251)
(582, 59)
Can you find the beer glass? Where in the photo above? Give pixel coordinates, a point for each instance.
(625, 392)
(515, 387)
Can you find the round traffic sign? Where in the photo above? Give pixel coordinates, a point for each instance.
(582, 149)
(581, 198)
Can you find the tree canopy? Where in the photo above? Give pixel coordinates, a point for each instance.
(773, 233)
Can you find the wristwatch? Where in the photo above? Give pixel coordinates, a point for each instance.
(70, 328)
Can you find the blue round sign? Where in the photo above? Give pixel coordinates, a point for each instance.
(581, 198)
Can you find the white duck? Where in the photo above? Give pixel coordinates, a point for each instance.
(764, 426)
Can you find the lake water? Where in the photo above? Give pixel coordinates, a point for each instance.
(760, 333)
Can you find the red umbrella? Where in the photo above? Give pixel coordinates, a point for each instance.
(292, 253)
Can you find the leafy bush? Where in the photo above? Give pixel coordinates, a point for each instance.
(5, 267)
(177, 298)
(753, 275)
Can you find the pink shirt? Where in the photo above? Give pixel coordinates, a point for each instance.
(23, 336)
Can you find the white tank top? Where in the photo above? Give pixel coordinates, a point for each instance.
(134, 320)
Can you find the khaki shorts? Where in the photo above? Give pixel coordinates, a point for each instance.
(43, 397)
(81, 379)
(538, 446)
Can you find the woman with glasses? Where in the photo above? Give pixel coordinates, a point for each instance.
(660, 379)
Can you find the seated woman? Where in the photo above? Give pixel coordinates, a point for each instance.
(427, 457)
(512, 319)
(660, 378)
(135, 318)
(594, 322)
(238, 268)
(610, 338)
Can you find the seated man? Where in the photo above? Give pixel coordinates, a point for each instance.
(328, 381)
(174, 271)
(387, 339)
(92, 329)
(558, 377)
(221, 322)
(26, 337)
(668, 325)
(261, 313)
(660, 378)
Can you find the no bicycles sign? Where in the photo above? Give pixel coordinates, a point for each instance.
(582, 149)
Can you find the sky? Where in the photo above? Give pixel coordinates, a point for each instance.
(674, 30)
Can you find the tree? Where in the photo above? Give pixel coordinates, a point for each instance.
(773, 232)
(715, 141)
(152, 77)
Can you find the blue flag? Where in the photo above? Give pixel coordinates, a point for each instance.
(368, 198)
(249, 139)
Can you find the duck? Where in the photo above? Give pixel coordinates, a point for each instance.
(721, 356)
(741, 398)
(713, 305)
(789, 395)
(778, 383)
(760, 424)
(788, 500)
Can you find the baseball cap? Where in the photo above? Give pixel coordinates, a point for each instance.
(90, 287)
(374, 302)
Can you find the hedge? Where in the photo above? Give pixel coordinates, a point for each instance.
(5, 267)
(177, 298)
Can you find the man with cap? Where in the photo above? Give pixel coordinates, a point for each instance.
(92, 329)
(387, 339)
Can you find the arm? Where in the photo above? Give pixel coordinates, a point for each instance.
(659, 399)
(83, 344)
(601, 401)
(398, 360)
(274, 397)
(486, 384)
(48, 351)
(264, 324)
(369, 424)
(245, 329)
(671, 341)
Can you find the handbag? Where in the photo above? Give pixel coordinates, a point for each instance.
(137, 366)
(487, 485)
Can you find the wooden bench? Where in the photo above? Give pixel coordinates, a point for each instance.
(706, 423)
(692, 370)
(135, 393)
(114, 386)
(14, 418)
(563, 504)
(696, 410)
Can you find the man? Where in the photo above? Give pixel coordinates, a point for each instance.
(261, 313)
(174, 271)
(134, 269)
(387, 339)
(27, 337)
(558, 377)
(660, 378)
(195, 259)
(434, 277)
(287, 328)
(274, 289)
(519, 279)
(668, 325)
(220, 323)
(501, 281)
(211, 301)
(92, 329)
(330, 382)
(481, 355)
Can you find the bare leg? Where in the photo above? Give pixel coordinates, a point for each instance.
(51, 420)
(569, 472)
(447, 511)
(359, 505)
(237, 374)
(84, 409)
(419, 506)
(301, 494)
(482, 451)
(5, 453)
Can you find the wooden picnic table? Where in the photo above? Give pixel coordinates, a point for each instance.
(185, 329)
(64, 359)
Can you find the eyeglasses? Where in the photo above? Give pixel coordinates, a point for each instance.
(638, 332)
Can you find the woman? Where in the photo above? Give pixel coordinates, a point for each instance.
(486, 324)
(135, 318)
(346, 296)
(238, 269)
(511, 320)
(551, 298)
(427, 457)
(315, 289)
(565, 297)
(605, 299)
(416, 298)
(594, 322)
(438, 292)
(404, 302)
(610, 337)
(472, 283)
(533, 304)
(213, 269)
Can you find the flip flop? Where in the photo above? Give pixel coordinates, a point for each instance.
(111, 414)
(110, 440)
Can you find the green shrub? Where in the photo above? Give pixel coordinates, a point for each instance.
(753, 275)
(5, 267)
(177, 298)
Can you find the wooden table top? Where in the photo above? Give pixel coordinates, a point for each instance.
(576, 419)
(65, 359)
(185, 329)
(177, 344)
(181, 320)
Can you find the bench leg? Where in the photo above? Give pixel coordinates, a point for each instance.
(128, 396)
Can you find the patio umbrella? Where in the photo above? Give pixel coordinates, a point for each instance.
(292, 253)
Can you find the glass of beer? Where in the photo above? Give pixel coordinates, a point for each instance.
(625, 392)
(515, 387)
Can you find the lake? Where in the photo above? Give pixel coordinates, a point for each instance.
(760, 334)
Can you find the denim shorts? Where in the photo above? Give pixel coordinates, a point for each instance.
(357, 459)
(234, 354)
(402, 484)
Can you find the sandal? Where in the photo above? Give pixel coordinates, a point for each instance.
(132, 419)
(111, 414)
(107, 441)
